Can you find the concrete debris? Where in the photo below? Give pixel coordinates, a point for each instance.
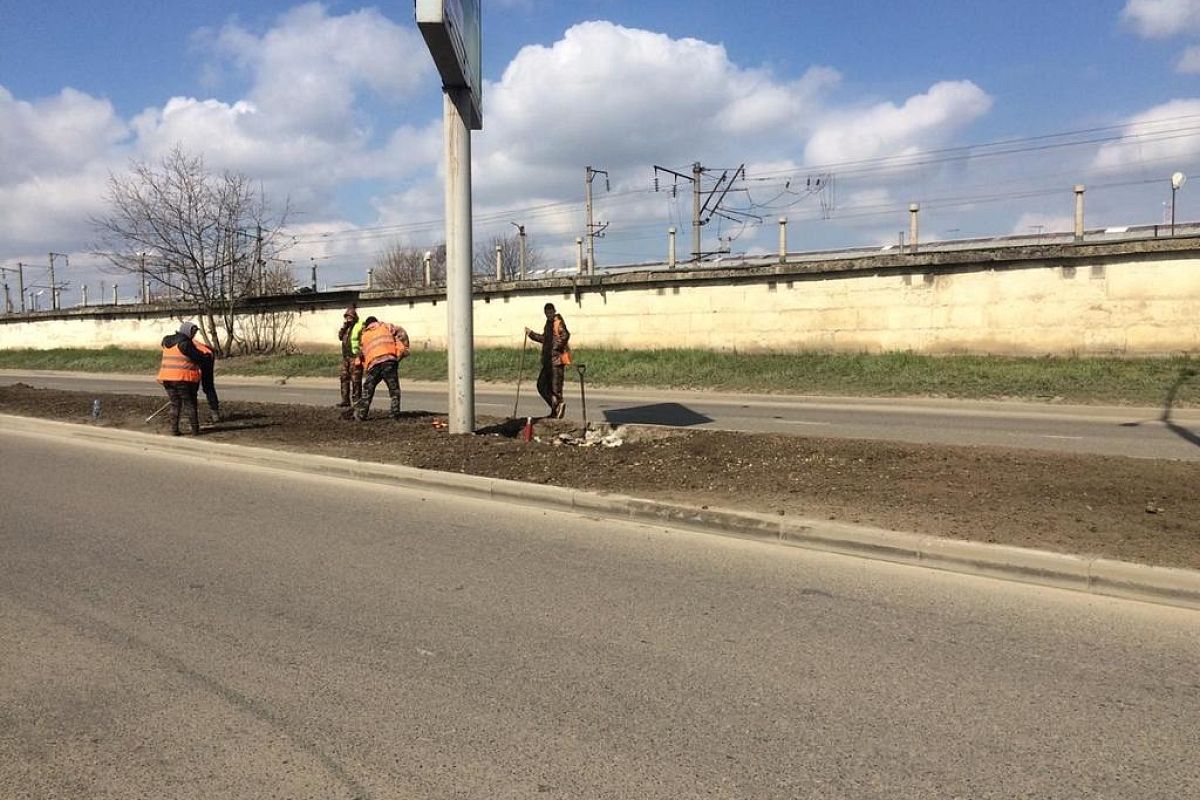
(591, 438)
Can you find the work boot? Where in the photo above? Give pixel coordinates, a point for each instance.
(560, 410)
(214, 415)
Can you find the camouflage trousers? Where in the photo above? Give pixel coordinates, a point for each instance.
(388, 373)
(351, 378)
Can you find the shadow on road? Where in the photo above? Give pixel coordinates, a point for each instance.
(656, 414)
(1185, 374)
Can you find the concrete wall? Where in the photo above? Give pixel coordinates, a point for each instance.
(1132, 298)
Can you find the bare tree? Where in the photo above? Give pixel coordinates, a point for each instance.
(261, 331)
(484, 261)
(201, 237)
(400, 267)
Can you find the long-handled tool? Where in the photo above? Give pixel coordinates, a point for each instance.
(582, 368)
(163, 408)
(520, 373)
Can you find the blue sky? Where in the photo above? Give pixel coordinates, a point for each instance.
(336, 106)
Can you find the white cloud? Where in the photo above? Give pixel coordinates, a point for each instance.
(310, 74)
(1189, 61)
(923, 122)
(56, 135)
(1162, 18)
(619, 97)
(43, 212)
(1162, 134)
(623, 99)
(309, 67)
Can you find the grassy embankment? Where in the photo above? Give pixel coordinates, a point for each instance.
(1148, 381)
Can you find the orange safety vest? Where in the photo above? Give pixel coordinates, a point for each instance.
(202, 347)
(564, 357)
(177, 367)
(378, 343)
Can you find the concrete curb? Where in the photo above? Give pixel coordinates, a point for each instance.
(1162, 585)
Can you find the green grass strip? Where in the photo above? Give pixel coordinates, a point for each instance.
(1145, 381)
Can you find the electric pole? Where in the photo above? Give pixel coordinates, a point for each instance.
(258, 261)
(54, 286)
(21, 284)
(593, 230)
(699, 210)
(697, 171)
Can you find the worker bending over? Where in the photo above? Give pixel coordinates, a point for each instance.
(180, 372)
(383, 346)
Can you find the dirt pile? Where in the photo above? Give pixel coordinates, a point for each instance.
(1138, 510)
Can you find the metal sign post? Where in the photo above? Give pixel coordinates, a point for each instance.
(451, 29)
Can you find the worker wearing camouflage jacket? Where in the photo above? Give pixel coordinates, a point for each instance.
(351, 375)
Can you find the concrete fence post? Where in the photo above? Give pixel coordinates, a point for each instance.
(783, 240)
(499, 262)
(671, 248)
(579, 254)
(370, 278)
(116, 301)
(84, 290)
(914, 210)
(428, 268)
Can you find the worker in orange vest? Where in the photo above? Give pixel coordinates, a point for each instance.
(556, 355)
(383, 347)
(180, 373)
(206, 381)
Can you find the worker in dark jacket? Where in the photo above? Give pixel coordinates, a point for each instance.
(207, 384)
(351, 375)
(180, 373)
(556, 355)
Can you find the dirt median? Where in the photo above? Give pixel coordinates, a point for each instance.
(1124, 508)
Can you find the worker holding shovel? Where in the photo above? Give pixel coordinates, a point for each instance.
(180, 375)
(555, 340)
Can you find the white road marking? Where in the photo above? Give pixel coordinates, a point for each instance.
(1053, 436)
(799, 422)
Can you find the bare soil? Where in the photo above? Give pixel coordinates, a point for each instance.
(1124, 508)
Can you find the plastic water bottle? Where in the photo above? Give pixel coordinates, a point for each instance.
(96, 408)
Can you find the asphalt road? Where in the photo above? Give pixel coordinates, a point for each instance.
(1136, 432)
(185, 628)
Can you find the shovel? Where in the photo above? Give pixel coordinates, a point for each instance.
(582, 368)
(520, 373)
(160, 410)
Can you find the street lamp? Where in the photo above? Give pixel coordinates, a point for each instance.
(521, 234)
(1177, 182)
